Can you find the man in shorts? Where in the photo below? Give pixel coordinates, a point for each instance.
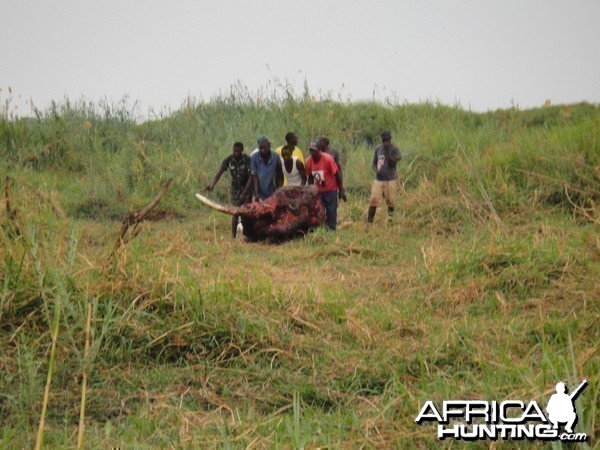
(238, 164)
(385, 158)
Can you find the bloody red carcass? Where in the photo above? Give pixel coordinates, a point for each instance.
(290, 212)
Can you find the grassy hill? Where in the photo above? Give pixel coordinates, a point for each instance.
(486, 286)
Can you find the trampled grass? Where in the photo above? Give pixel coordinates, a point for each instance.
(486, 285)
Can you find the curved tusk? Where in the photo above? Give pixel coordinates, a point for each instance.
(232, 210)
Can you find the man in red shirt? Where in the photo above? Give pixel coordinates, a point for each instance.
(322, 171)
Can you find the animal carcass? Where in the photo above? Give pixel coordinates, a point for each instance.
(291, 211)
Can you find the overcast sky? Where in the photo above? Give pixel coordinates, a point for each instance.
(479, 54)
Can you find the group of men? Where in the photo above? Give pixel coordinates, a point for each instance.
(257, 176)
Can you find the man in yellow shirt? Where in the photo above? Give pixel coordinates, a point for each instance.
(292, 144)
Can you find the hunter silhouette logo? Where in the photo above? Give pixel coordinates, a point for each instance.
(561, 406)
(472, 420)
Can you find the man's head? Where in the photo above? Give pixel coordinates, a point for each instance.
(386, 139)
(286, 154)
(264, 147)
(238, 149)
(315, 150)
(291, 138)
(263, 138)
(324, 143)
(560, 388)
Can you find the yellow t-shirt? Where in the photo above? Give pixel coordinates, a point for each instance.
(297, 153)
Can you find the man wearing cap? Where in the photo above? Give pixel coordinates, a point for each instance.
(325, 148)
(324, 174)
(265, 168)
(385, 159)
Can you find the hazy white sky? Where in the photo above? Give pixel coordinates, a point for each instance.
(481, 54)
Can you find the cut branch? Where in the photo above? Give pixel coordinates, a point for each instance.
(134, 219)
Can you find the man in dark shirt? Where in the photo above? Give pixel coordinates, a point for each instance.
(238, 164)
(385, 159)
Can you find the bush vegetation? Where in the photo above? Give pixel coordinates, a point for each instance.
(485, 286)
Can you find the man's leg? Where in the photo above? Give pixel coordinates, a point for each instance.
(329, 199)
(235, 201)
(390, 197)
(376, 195)
(371, 213)
(334, 208)
(234, 224)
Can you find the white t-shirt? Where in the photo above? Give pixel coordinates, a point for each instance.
(292, 178)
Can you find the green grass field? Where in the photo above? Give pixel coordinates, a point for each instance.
(485, 286)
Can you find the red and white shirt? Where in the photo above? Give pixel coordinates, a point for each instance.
(323, 172)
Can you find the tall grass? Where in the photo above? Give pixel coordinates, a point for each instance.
(112, 161)
(486, 285)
